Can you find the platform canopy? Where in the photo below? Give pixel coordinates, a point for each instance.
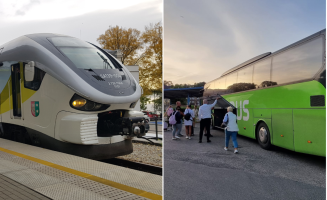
(183, 92)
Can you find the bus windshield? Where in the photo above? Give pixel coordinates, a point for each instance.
(82, 54)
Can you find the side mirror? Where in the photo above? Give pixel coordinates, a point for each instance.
(29, 71)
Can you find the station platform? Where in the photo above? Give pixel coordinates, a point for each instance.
(44, 174)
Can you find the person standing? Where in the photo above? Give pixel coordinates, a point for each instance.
(168, 113)
(231, 130)
(178, 126)
(195, 111)
(179, 104)
(205, 117)
(188, 121)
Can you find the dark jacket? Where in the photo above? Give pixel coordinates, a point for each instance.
(178, 117)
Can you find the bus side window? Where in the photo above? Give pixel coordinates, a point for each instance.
(298, 63)
(36, 83)
(261, 74)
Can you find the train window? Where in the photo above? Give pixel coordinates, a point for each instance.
(5, 73)
(81, 53)
(87, 58)
(68, 42)
(299, 63)
(261, 74)
(36, 83)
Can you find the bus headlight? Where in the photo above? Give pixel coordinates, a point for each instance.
(79, 103)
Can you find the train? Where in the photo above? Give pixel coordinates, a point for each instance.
(62, 93)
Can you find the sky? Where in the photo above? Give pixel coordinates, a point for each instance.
(203, 39)
(84, 19)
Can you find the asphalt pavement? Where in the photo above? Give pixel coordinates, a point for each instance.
(195, 170)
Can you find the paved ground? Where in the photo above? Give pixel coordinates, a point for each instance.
(195, 170)
(10, 189)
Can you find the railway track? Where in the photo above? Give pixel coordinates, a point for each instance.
(134, 165)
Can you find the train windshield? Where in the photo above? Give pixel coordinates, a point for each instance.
(81, 53)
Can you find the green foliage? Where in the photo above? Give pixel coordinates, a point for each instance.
(171, 85)
(143, 101)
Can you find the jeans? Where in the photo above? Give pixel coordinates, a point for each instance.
(177, 129)
(227, 136)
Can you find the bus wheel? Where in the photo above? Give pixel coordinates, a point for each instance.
(263, 136)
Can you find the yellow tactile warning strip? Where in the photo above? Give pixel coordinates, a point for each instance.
(126, 188)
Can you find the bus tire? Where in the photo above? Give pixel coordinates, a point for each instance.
(263, 136)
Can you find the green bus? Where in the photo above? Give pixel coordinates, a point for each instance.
(279, 97)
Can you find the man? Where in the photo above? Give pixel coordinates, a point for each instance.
(205, 117)
(205, 130)
(179, 104)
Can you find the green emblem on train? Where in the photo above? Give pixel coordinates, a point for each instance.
(35, 108)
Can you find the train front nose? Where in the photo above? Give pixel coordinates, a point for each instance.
(121, 122)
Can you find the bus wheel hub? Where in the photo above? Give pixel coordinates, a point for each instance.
(263, 135)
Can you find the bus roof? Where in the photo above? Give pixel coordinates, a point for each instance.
(252, 60)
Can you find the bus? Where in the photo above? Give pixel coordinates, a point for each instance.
(279, 98)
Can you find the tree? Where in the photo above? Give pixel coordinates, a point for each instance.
(157, 102)
(168, 84)
(171, 85)
(238, 87)
(128, 41)
(144, 100)
(150, 60)
(200, 84)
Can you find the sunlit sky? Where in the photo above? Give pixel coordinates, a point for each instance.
(203, 39)
(85, 19)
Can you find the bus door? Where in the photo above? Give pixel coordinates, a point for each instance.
(16, 90)
(219, 110)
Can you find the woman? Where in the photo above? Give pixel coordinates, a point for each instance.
(168, 113)
(231, 129)
(188, 123)
(178, 126)
(196, 111)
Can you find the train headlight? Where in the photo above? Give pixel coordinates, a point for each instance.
(133, 105)
(79, 103)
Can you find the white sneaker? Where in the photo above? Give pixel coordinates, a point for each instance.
(176, 137)
(235, 151)
(186, 137)
(189, 138)
(225, 149)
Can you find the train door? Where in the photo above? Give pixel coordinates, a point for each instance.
(16, 90)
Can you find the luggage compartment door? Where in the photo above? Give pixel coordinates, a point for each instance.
(219, 110)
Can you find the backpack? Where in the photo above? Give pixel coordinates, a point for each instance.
(170, 111)
(187, 116)
(172, 119)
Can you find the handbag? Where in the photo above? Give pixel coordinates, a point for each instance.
(224, 124)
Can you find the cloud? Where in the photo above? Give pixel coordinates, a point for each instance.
(27, 7)
(214, 36)
(18, 12)
(88, 26)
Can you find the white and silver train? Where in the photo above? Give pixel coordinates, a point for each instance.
(64, 94)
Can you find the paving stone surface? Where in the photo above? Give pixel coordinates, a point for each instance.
(12, 190)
